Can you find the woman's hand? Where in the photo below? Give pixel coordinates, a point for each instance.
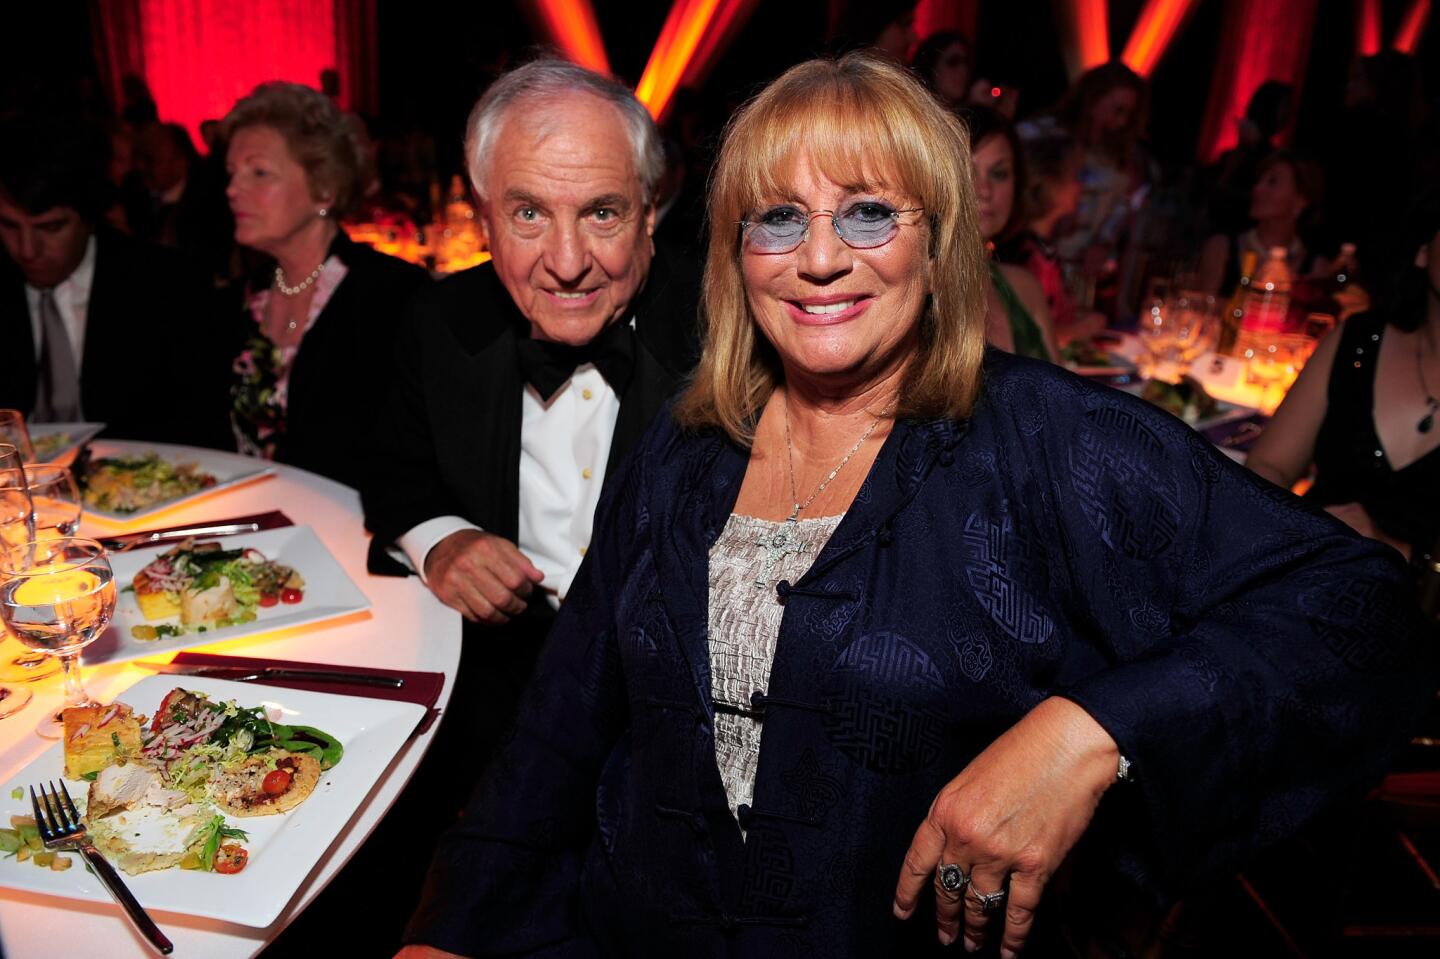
(1014, 812)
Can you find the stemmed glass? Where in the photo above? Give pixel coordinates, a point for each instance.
(14, 433)
(35, 503)
(55, 500)
(16, 526)
(58, 596)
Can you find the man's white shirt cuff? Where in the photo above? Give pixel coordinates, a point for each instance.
(419, 541)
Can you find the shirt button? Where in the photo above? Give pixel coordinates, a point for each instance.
(585, 472)
(1379, 453)
(587, 394)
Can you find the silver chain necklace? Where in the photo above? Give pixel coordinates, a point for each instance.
(1428, 420)
(785, 540)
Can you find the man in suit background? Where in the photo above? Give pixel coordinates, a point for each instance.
(521, 382)
(100, 326)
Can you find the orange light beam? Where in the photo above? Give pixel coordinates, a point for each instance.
(1085, 29)
(1367, 27)
(571, 26)
(727, 23)
(1156, 27)
(679, 37)
(1408, 36)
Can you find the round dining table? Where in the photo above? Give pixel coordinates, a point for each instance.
(406, 628)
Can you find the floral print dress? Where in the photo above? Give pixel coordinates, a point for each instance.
(259, 392)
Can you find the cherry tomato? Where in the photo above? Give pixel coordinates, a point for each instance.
(231, 858)
(276, 782)
(269, 599)
(291, 596)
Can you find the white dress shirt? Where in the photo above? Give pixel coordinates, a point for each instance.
(72, 300)
(564, 446)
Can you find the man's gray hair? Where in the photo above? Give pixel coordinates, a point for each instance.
(553, 78)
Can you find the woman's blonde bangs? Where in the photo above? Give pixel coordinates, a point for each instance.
(869, 126)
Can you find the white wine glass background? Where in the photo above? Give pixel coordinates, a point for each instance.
(58, 596)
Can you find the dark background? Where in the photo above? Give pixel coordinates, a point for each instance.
(435, 59)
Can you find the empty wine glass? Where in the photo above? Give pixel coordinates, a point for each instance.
(14, 433)
(58, 596)
(55, 500)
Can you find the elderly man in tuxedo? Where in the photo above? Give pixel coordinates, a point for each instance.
(521, 382)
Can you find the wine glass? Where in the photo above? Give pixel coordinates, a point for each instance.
(14, 433)
(1159, 335)
(55, 500)
(58, 596)
(16, 527)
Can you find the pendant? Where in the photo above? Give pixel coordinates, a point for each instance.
(1426, 422)
(779, 544)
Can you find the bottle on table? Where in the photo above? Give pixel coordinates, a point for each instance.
(1267, 301)
(1235, 310)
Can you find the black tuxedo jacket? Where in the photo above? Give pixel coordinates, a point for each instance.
(449, 443)
(154, 362)
(344, 368)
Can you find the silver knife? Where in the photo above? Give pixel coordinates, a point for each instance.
(242, 674)
(129, 541)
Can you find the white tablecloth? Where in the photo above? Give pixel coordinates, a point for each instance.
(406, 628)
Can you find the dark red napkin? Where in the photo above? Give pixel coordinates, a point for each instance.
(420, 687)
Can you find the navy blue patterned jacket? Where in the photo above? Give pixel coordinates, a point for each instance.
(1252, 658)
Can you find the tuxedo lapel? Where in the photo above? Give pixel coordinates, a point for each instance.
(650, 385)
(489, 414)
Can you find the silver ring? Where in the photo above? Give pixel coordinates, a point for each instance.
(988, 901)
(953, 878)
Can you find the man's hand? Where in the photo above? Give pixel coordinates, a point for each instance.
(483, 576)
(426, 952)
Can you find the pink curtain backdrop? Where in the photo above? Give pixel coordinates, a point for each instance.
(1260, 40)
(200, 56)
(932, 16)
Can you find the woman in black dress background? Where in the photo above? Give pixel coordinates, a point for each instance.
(1366, 408)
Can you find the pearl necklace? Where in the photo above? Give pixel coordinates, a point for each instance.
(300, 287)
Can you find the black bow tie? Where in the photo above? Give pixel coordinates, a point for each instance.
(548, 366)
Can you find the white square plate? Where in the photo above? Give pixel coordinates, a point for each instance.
(283, 849)
(53, 440)
(228, 469)
(328, 593)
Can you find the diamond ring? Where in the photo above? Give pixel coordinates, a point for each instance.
(988, 901)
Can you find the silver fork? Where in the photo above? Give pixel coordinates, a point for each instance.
(61, 828)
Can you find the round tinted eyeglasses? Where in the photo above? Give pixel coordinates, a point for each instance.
(863, 225)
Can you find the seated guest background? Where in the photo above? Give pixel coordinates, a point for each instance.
(174, 198)
(96, 325)
(1365, 410)
(311, 377)
(870, 621)
(1017, 317)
